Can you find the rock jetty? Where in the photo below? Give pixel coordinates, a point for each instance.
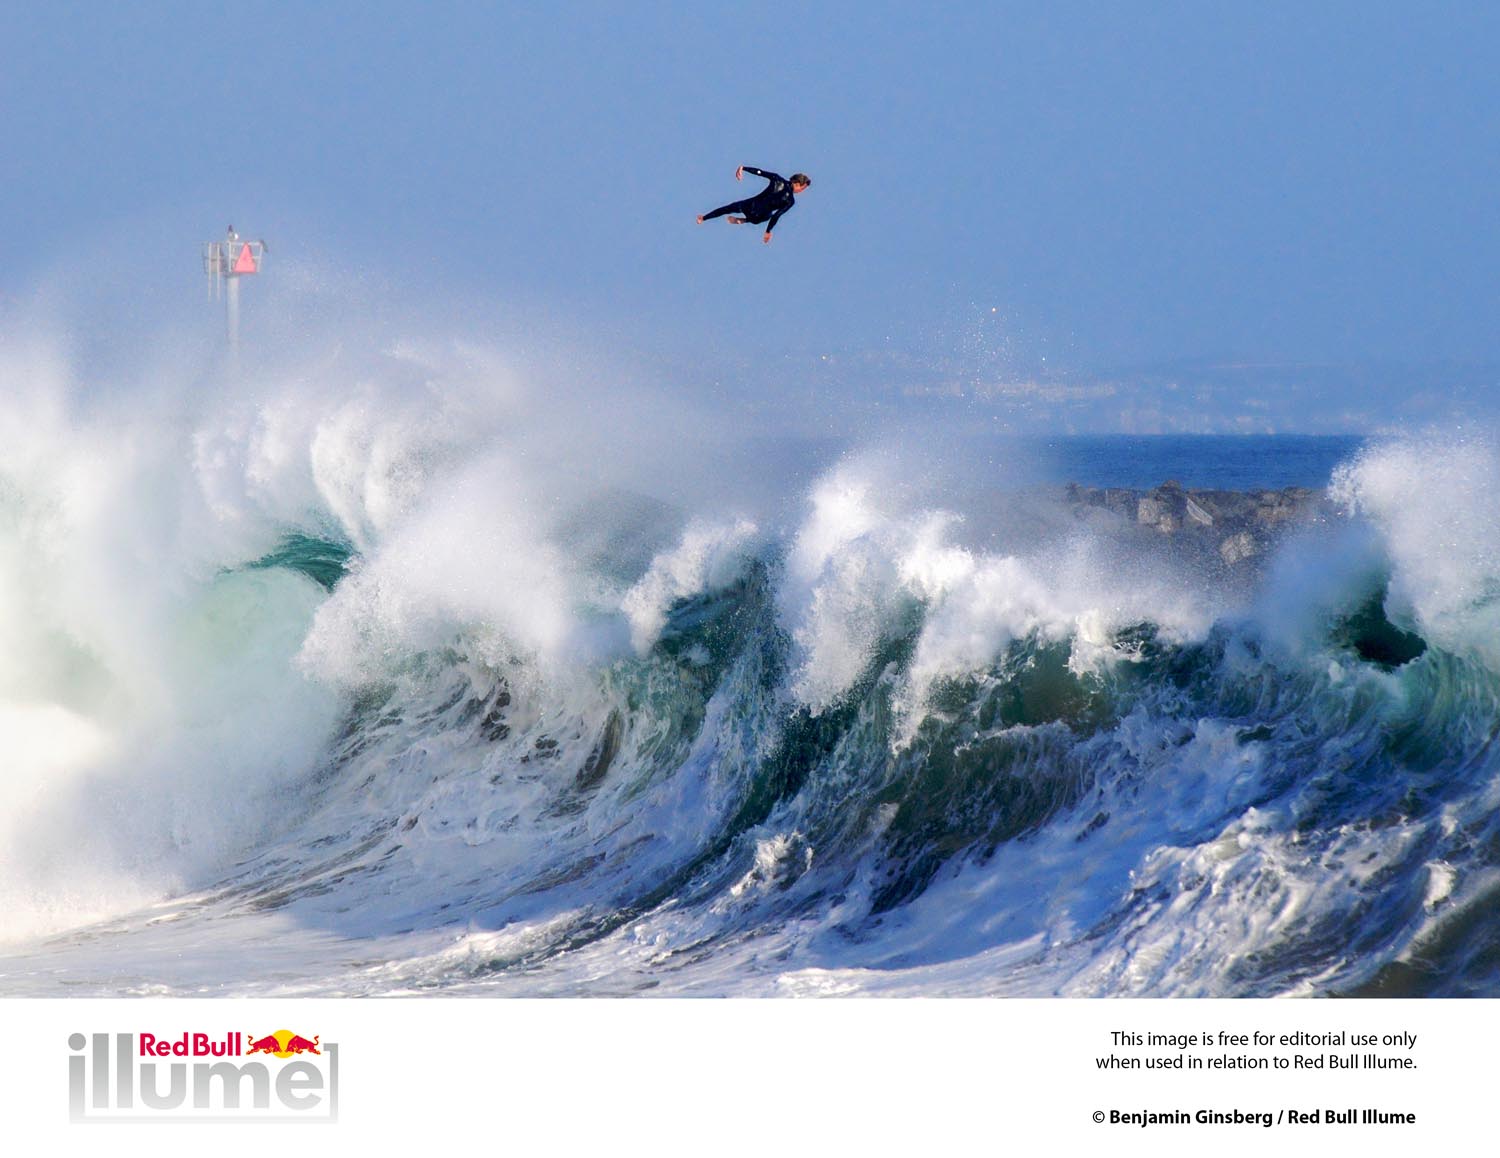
(1233, 526)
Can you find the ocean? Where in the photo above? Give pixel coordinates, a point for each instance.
(329, 684)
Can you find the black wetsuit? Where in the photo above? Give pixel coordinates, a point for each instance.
(768, 205)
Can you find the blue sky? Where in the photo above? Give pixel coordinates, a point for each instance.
(1085, 186)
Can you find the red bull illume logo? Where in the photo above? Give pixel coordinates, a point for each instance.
(192, 1076)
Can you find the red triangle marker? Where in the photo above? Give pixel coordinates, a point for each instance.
(245, 263)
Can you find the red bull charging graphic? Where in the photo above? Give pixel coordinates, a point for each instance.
(284, 1043)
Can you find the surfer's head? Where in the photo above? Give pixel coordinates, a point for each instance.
(800, 181)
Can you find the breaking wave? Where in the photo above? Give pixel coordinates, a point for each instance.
(390, 677)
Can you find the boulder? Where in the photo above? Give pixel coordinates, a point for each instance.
(1239, 547)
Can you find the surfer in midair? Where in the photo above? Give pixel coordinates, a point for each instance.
(768, 205)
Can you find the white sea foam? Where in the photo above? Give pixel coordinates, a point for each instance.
(858, 565)
(706, 558)
(1435, 500)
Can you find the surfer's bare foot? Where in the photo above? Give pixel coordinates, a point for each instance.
(735, 220)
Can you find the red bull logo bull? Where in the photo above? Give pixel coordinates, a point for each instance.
(283, 1043)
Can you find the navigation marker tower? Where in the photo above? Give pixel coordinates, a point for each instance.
(225, 262)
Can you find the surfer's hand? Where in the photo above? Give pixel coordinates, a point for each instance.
(739, 174)
(766, 240)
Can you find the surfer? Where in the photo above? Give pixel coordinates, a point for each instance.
(768, 205)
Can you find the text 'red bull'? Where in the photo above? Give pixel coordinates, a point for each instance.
(192, 1045)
